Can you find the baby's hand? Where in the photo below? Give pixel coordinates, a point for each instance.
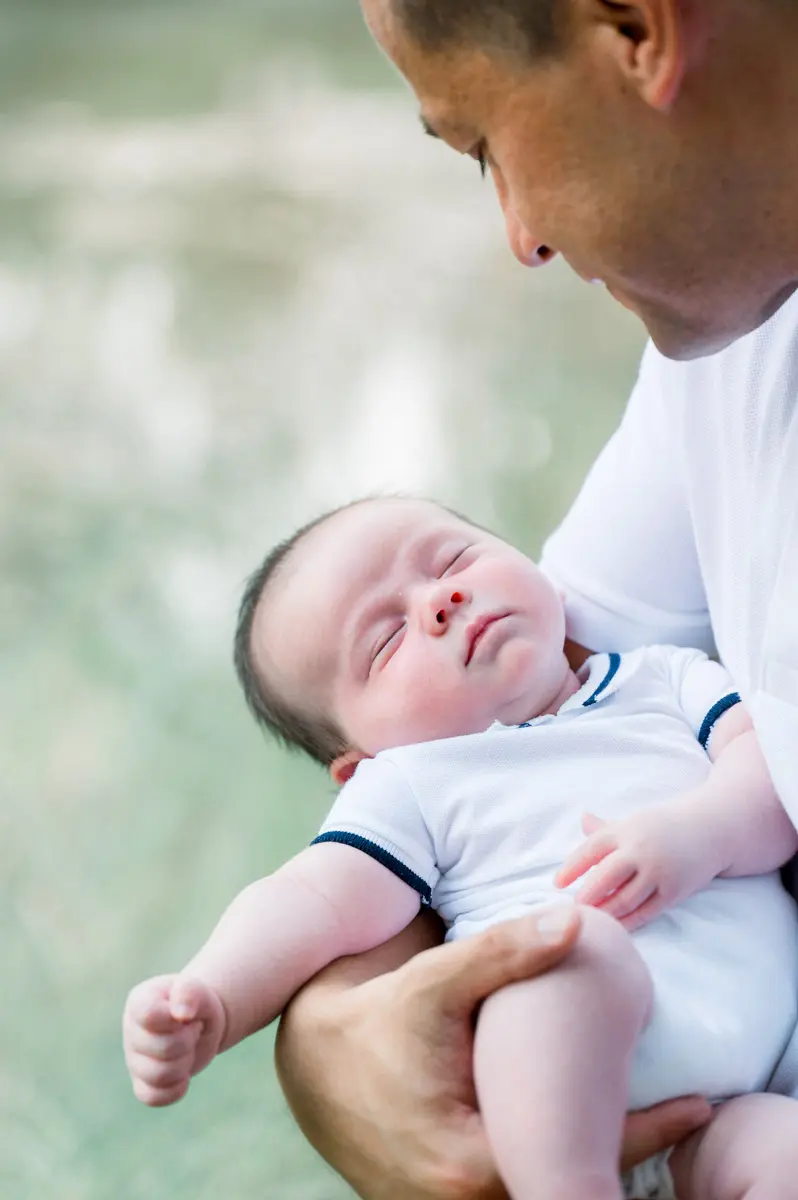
(172, 1028)
(639, 866)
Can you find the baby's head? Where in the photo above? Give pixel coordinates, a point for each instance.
(393, 621)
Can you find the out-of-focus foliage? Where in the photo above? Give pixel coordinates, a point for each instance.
(236, 286)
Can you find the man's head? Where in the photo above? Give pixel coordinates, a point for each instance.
(652, 143)
(395, 621)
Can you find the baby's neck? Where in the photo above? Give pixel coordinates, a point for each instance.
(569, 687)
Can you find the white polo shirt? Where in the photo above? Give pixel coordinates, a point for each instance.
(480, 824)
(687, 526)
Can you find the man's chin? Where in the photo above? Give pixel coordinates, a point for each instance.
(683, 339)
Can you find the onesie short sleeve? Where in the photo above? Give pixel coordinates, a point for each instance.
(704, 689)
(377, 812)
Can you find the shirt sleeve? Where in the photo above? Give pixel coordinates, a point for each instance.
(625, 554)
(704, 688)
(377, 812)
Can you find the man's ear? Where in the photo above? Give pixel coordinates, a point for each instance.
(650, 42)
(343, 767)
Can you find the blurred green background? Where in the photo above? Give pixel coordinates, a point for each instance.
(236, 285)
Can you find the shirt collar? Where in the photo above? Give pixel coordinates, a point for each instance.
(599, 677)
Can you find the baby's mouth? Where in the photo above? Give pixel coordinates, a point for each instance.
(477, 629)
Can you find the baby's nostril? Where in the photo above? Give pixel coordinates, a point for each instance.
(439, 617)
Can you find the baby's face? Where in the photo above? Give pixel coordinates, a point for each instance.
(406, 624)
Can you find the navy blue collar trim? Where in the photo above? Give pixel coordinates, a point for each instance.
(612, 671)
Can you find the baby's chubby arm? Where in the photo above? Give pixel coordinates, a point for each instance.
(732, 824)
(329, 901)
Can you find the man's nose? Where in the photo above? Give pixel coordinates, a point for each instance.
(439, 607)
(528, 249)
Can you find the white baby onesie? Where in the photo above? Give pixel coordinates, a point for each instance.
(479, 825)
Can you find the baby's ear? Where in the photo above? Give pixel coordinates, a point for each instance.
(343, 767)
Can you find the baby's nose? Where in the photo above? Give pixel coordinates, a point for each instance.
(444, 607)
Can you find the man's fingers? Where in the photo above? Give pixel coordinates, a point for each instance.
(655, 1129)
(466, 972)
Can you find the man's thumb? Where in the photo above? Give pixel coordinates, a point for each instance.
(508, 953)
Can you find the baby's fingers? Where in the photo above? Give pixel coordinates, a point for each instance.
(165, 1047)
(630, 900)
(162, 1076)
(191, 1000)
(607, 879)
(148, 1005)
(592, 851)
(645, 913)
(155, 1097)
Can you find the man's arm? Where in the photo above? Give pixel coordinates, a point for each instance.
(375, 1058)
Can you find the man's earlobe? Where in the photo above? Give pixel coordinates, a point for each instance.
(649, 42)
(344, 766)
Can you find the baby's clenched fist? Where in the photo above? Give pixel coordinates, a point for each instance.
(172, 1028)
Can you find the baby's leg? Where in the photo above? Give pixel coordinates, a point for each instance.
(552, 1063)
(748, 1152)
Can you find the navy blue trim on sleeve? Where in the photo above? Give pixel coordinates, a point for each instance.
(615, 662)
(383, 857)
(715, 713)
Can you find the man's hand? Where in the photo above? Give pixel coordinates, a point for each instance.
(642, 864)
(172, 1028)
(375, 1057)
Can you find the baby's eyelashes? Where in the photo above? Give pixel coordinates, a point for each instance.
(387, 644)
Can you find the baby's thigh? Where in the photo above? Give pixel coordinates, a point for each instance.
(748, 1152)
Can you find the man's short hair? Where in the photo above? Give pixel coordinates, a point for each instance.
(526, 28)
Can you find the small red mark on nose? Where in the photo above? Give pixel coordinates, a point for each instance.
(457, 598)
(440, 617)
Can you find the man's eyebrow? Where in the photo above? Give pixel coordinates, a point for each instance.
(428, 129)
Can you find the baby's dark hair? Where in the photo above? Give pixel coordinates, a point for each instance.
(294, 727)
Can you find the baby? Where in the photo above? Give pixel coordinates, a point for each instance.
(421, 659)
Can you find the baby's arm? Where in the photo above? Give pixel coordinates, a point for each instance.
(329, 901)
(732, 824)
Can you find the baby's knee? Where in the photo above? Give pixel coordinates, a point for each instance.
(609, 951)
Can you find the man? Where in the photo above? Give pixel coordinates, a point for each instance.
(653, 144)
